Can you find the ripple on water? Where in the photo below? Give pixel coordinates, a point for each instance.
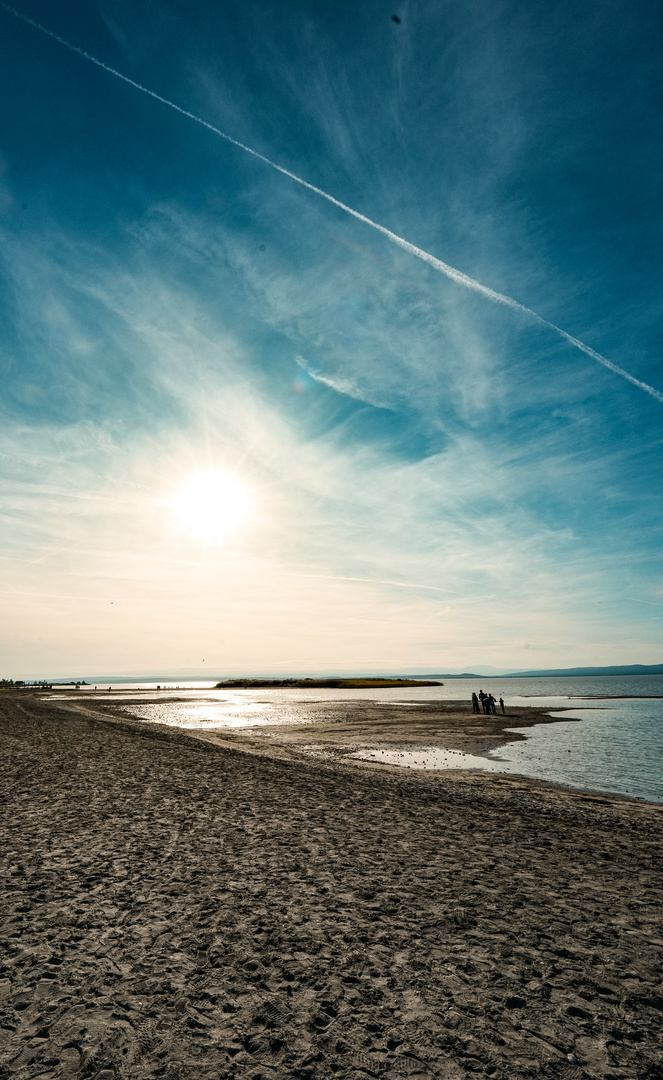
(614, 747)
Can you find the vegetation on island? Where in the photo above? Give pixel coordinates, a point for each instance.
(320, 684)
(21, 684)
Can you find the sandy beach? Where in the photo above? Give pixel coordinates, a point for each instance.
(333, 728)
(180, 909)
(338, 729)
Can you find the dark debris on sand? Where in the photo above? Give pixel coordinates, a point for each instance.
(177, 910)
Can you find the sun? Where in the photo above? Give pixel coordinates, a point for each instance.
(212, 504)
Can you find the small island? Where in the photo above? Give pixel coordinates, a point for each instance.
(320, 684)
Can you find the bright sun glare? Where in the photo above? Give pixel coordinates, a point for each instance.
(212, 504)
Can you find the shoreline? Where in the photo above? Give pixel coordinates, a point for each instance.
(355, 719)
(296, 746)
(336, 730)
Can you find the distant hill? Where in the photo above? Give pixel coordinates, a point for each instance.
(464, 675)
(617, 669)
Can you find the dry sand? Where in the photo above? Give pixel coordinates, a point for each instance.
(182, 910)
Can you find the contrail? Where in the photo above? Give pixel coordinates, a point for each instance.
(449, 271)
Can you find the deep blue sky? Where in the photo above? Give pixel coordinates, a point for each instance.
(436, 481)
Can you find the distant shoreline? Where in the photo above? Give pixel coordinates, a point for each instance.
(420, 679)
(320, 684)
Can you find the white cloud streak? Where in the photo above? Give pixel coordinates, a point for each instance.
(437, 264)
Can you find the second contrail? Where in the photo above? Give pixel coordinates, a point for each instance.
(449, 271)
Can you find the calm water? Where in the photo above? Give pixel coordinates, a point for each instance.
(616, 746)
(612, 744)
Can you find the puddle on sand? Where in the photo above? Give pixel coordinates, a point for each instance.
(224, 714)
(201, 716)
(424, 757)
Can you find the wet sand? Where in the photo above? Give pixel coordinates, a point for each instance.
(333, 728)
(179, 909)
(340, 728)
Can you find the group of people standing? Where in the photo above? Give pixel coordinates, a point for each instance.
(485, 703)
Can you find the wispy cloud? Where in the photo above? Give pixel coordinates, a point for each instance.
(343, 536)
(451, 272)
(437, 479)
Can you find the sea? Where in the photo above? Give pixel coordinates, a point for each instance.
(610, 741)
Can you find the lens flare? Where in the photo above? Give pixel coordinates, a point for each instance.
(211, 505)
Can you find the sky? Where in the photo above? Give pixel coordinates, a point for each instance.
(243, 431)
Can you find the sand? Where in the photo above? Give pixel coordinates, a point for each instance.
(337, 729)
(333, 728)
(183, 910)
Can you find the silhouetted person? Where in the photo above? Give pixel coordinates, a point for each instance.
(502, 705)
(475, 703)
